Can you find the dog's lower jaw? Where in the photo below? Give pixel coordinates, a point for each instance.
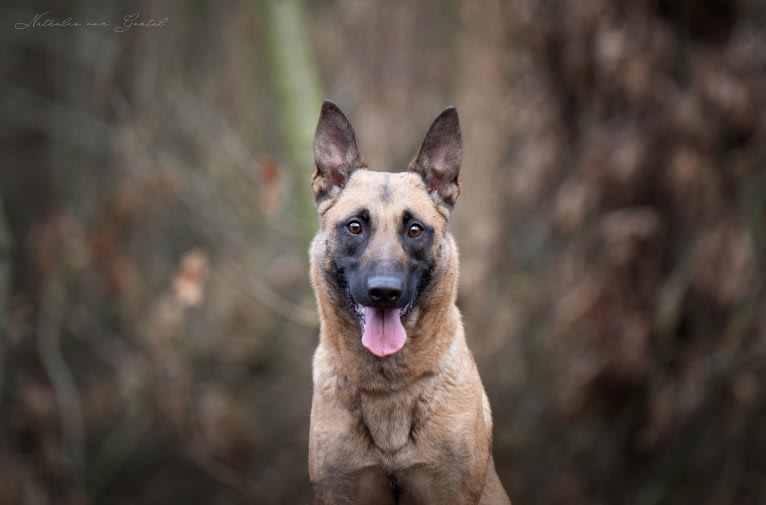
(422, 355)
(381, 329)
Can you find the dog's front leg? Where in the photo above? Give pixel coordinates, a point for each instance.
(432, 485)
(369, 486)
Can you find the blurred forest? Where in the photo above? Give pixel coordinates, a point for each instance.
(156, 320)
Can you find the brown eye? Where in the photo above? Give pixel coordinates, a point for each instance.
(415, 231)
(354, 227)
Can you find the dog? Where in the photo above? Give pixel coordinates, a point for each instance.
(399, 414)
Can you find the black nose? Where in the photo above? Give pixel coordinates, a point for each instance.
(384, 289)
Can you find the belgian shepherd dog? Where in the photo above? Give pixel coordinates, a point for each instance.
(399, 414)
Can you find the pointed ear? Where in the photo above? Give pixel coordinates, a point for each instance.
(440, 155)
(336, 153)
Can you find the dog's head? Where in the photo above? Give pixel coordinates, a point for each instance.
(383, 246)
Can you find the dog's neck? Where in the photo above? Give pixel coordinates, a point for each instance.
(387, 396)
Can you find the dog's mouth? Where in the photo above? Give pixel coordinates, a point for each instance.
(381, 328)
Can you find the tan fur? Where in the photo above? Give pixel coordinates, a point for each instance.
(414, 427)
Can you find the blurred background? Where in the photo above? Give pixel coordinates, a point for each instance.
(156, 320)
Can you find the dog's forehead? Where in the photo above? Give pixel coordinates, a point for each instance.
(386, 194)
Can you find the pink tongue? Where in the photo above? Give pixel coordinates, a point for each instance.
(383, 333)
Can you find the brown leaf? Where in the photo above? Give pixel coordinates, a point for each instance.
(191, 278)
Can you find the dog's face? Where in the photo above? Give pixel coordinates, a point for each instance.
(383, 236)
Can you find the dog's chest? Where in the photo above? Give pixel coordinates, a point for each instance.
(388, 419)
(392, 420)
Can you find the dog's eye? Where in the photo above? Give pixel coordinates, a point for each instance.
(415, 231)
(354, 227)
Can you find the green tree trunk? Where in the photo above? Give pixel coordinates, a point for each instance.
(296, 82)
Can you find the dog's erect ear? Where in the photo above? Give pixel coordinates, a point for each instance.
(440, 155)
(336, 152)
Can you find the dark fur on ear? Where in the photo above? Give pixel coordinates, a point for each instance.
(336, 153)
(440, 155)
